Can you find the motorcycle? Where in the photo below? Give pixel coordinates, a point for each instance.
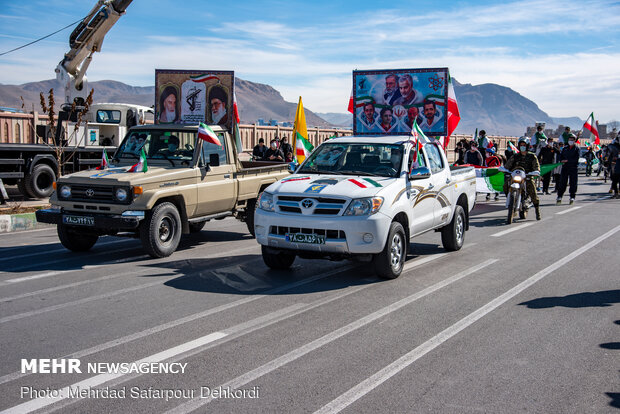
(517, 199)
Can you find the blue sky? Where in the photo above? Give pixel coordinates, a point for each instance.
(564, 55)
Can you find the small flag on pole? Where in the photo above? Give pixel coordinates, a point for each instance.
(592, 126)
(140, 166)
(105, 163)
(302, 145)
(205, 133)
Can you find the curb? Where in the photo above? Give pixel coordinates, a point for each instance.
(10, 223)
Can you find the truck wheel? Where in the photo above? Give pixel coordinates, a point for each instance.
(277, 259)
(389, 263)
(39, 183)
(75, 241)
(196, 227)
(161, 231)
(249, 216)
(453, 235)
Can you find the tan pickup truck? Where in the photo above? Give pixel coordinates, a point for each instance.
(187, 183)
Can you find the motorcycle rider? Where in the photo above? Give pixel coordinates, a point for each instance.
(528, 162)
(589, 157)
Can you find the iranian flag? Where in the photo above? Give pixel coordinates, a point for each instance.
(236, 121)
(205, 133)
(592, 126)
(419, 139)
(140, 166)
(105, 162)
(454, 117)
(351, 104)
(204, 78)
(489, 180)
(475, 137)
(302, 145)
(512, 147)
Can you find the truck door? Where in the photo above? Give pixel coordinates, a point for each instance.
(420, 199)
(441, 181)
(216, 182)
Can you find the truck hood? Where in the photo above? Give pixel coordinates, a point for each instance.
(117, 175)
(352, 186)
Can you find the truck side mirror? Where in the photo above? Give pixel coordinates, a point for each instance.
(420, 173)
(214, 160)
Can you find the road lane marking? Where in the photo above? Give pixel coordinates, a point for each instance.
(97, 380)
(568, 211)
(514, 228)
(78, 302)
(190, 318)
(250, 376)
(369, 384)
(60, 249)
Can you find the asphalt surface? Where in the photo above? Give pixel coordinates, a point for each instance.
(525, 318)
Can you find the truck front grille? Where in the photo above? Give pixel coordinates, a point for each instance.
(95, 194)
(327, 206)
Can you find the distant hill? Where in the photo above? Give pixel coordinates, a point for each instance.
(497, 109)
(256, 100)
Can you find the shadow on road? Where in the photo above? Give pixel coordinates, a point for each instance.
(602, 298)
(615, 399)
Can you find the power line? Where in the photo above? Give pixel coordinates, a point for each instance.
(38, 40)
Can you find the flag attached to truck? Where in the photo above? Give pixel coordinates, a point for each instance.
(205, 133)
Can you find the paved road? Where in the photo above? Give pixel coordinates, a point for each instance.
(525, 318)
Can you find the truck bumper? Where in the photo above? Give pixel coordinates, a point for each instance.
(106, 222)
(343, 235)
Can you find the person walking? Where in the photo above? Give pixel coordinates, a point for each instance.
(547, 155)
(614, 165)
(569, 157)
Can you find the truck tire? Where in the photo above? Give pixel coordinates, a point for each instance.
(197, 227)
(453, 235)
(277, 259)
(389, 263)
(250, 209)
(75, 241)
(160, 232)
(39, 183)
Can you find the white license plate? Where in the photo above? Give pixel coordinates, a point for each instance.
(305, 238)
(78, 220)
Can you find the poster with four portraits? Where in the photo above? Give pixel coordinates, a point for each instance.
(386, 102)
(194, 96)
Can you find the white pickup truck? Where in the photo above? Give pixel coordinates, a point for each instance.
(358, 198)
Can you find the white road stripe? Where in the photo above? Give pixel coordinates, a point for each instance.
(190, 318)
(363, 388)
(513, 228)
(60, 249)
(78, 302)
(326, 339)
(568, 211)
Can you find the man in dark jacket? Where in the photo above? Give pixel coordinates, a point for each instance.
(259, 150)
(569, 157)
(547, 155)
(274, 153)
(614, 162)
(473, 156)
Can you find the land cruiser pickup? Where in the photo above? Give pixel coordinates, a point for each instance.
(187, 182)
(360, 198)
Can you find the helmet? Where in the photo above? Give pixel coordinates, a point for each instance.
(491, 150)
(523, 139)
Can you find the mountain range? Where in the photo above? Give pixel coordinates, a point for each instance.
(497, 109)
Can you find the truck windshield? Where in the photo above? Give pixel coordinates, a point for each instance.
(356, 159)
(158, 144)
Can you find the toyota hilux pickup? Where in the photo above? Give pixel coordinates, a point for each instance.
(364, 198)
(183, 183)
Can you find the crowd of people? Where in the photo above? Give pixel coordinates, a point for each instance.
(278, 150)
(565, 151)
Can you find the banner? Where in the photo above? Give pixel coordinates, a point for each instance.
(191, 97)
(386, 102)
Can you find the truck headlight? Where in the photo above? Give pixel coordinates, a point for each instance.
(65, 191)
(265, 201)
(121, 194)
(364, 206)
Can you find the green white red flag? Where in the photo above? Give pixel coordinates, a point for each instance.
(592, 126)
(512, 147)
(205, 133)
(140, 166)
(419, 139)
(105, 162)
(454, 117)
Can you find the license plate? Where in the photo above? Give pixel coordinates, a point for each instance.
(305, 238)
(78, 220)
